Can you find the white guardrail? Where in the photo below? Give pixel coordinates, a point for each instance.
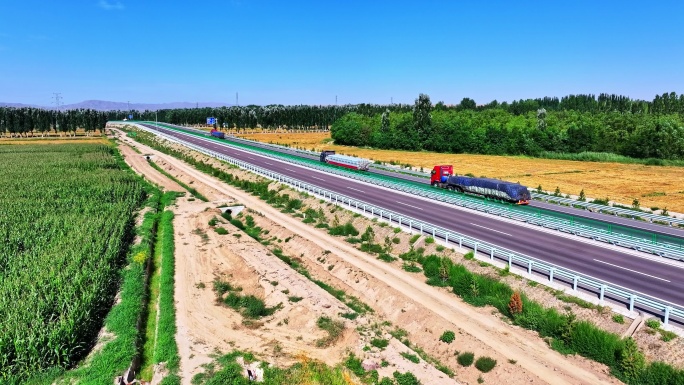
(612, 236)
(533, 265)
(608, 209)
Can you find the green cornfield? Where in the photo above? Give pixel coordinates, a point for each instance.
(66, 218)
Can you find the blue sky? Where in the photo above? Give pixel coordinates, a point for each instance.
(308, 52)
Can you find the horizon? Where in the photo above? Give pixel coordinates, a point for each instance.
(326, 54)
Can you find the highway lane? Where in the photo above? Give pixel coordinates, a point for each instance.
(616, 266)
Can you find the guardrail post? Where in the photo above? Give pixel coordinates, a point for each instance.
(632, 298)
(433, 232)
(574, 283)
(491, 253)
(446, 238)
(475, 249)
(460, 242)
(421, 229)
(410, 225)
(390, 218)
(551, 274)
(603, 292)
(667, 315)
(510, 260)
(529, 267)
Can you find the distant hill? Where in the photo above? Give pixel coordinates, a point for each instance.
(103, 105)
(17, 105)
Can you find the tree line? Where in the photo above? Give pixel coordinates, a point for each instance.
(27, 120)
(573, 124)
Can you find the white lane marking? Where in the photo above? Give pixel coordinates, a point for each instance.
(289, 169)
(251, 158)
(355, 189)
(633, 271)
(487, 228)
(318, 178)
(406, 204)
(269, 163)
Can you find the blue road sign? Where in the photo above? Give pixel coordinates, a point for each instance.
(211, 121)
(130, 116)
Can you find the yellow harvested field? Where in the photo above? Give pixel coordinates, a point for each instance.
(654, 186)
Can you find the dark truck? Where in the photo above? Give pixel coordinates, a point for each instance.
(442, 176)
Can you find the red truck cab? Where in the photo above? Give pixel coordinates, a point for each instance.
(440, 174)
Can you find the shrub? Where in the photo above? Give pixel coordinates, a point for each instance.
(429, 240)
(411, 357)
(386, 257)
(414, 238)
(221, 231)
(618, 318)
(294, 299)
(411, 268)
(405, 378)
(632, 361)
(396, 240)
(465, 359)
(515, 305)
(213, 221)
(469, 255)
(350, 316)
(448, 337)
(354, 364)
(485, 364)
(396, 230)
(653, 323)
(379, 343)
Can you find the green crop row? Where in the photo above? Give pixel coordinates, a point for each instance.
(66, 218)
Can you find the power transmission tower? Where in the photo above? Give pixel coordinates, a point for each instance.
(58, 99)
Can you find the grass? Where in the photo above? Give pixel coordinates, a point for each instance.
(333, 328)
(225, 370)
(166, 349)
(576, 300)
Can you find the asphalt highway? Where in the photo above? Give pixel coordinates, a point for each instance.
(645, 275)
